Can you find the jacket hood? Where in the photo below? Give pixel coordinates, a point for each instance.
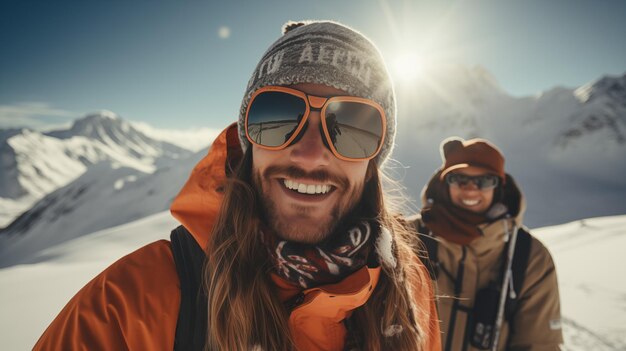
(512, 196)
(197, 204)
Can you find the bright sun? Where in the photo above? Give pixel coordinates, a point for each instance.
(408, 67)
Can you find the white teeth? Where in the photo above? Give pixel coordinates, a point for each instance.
(470, 202)
(302, 188)
(307, 188)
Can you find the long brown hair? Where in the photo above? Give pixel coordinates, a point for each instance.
(243, 308)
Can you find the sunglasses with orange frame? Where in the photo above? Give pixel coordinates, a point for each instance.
(353, 128)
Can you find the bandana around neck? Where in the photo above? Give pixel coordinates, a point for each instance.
(310, 265)
(451, 223)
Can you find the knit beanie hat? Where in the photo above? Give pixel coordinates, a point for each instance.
(328, 53)
(458, 154)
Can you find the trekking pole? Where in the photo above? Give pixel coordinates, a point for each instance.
(506, 281)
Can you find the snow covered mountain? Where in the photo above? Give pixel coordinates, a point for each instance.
(587, 253)
(565, 147)
(33, 164)
(102, 197)
(120, 141)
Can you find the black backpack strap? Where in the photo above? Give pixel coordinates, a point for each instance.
(518, 268)
(192, 316)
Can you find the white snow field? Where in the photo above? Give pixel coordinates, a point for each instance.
(588, 256)
(31, 295)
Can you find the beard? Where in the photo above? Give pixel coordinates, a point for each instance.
(307, 229)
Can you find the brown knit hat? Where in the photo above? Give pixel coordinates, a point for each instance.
(458, 154)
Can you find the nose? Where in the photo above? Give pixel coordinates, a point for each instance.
(310, 152)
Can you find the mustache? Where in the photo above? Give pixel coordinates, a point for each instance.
(319, 175)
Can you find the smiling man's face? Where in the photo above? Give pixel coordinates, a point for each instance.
(469, 196)
(305, 190)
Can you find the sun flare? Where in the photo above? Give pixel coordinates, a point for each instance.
(408, 66)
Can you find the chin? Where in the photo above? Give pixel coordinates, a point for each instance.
(305, 237)
(302, 233)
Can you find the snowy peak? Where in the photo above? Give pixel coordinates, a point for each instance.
(602, 116)
(6, 134)
(608, 87)
(107, 128)
(96, 126)
(118, 136)
(33, 164)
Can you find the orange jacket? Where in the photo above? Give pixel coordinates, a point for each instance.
(134, 303)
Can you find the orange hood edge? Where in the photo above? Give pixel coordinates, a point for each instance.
(197, 204)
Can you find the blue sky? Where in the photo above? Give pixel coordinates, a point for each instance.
(185, 64)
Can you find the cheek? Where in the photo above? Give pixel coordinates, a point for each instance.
(356, 172)
(259, 157)
(488, 196)
(454, 194)
(262, 158)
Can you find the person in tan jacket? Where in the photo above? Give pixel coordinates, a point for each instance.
(471, 211)
(286, 214)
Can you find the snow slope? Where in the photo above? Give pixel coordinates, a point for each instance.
(104, 196)
(588, 256)
(32, 294)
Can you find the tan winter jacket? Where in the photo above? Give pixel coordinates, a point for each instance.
(537, 319)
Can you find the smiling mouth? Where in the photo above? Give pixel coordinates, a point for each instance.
(467, 202)
(307, 188)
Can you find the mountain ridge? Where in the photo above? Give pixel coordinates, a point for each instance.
(560, 180)
(34, 164)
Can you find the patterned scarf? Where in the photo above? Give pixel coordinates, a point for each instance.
(310, 265)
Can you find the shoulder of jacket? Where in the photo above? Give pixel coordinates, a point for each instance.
(149, 267)
(540, 261)
(538, 249)
(159, 251)
(416, 223)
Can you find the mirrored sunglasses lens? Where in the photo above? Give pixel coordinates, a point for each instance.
(482, 182)
(486, 182)
(456, 179)
(273, 117)
(356, 129)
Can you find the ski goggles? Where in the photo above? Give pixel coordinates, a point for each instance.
(353, 128)
(482, 182)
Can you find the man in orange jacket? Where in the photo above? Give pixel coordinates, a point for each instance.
(299, 249)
